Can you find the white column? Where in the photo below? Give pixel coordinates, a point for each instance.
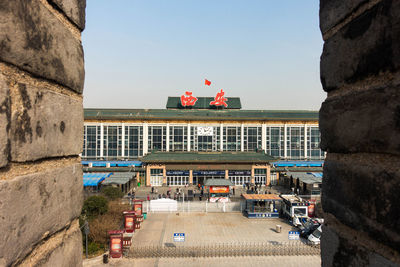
(285, 143)
(305, 141)
(101, 140)
(145, 138)
(242, 137)
(123, 140)
(264, 137)
(221, 130)
(188, 137)
(167, 138)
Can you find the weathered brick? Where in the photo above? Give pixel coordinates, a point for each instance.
(36, 205)
(363, 48)
(74, 10)
(63, 249)
(338, 251)
(366, 121)
(332, 12)
(48, 124)
(33, 39)
(362, 192)
(4, 121)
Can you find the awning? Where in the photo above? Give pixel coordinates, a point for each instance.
(218, 182)
(114, 163)
(93, 179)
(119, 178)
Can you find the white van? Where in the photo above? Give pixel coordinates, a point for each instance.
(315, 237)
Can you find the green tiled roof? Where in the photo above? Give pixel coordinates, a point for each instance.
(204, 103)
(207, 157)
(199, 114)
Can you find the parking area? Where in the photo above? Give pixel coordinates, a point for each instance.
(208, 228)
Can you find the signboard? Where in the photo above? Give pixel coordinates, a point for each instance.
(205, 131)
(294, 235)
(247, 173)
(184, 173)
(179, 237)
(222, 173)
(219, 189)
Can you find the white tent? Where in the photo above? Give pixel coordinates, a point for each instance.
(163, 204)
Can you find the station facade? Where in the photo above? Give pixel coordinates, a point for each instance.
(198, 128)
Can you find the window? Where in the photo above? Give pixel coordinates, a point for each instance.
(275, 141)
(295, 142)
(252, 138)
(178, 138)
(313, 140)
(205, 140)
(133, 141)
(112, 141)
(91, 141)
(157, 138)
(232, 138)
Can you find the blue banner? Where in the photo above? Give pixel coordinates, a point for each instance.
(184, 173)
(222, 173)
(232, 173)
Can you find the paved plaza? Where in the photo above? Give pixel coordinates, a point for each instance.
(208, 228)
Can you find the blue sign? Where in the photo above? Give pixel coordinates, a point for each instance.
(179, 237)
(185, 173)
(294, 235)
(222, 173)
(248, 173)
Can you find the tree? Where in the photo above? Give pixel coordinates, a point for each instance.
(95, 206)
(111, 192)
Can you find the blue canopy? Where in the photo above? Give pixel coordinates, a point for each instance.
(114, 163)
(298, 163)
(93, 179)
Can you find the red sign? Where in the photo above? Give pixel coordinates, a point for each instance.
(219, 189)
(115, 243)
(188, 100)
(219, 100)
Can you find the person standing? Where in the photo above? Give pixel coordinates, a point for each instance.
(148, 197)
(233, 190)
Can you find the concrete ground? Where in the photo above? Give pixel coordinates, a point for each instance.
(208, 228)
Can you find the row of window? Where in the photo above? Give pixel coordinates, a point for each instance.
(128, 141)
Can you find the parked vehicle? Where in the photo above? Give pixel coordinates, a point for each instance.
(315, 237)
(295, 209)
(308, 227)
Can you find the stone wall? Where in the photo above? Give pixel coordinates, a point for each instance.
(360, 130)
(41, 126)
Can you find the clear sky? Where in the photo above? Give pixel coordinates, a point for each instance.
(137, 53)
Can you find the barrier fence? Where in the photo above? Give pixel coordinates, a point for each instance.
(169, 250)
(203, 206)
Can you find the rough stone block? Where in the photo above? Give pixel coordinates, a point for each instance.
(74, 10)
(4, 121)
(36, 205)
(363, 48)
(63, 249)
(33, 39)
(362, 191)
(332, 12)
(364, 121)
(48, 124)
(338, 251)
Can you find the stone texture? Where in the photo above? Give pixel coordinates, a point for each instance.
(60, 250)
(339, 251)
(47, 124)
(74, 10)
(4, 121)
(37, 205)
(366, 121)
(33, 39)
(363, 48)
(362, 192)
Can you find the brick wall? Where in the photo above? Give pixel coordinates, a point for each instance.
(41, 120)
(360, 130)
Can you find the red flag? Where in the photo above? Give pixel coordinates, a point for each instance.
(207, 82)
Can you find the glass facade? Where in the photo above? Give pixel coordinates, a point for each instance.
(178, 138)
(275, 144)
(295, 142)
(157, 138)
(232, 138)
(252, 138)
(129, 141)
(112, 141)
(205, 138)
(313, 140)
(133, 141)
(91, 141)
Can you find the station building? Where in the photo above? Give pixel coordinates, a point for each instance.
(190, 141)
